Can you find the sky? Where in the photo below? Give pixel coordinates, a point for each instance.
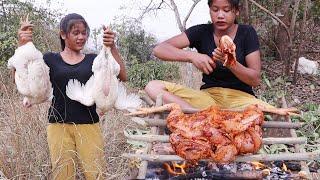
(162, 26)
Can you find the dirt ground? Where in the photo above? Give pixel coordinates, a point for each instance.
(306, 89)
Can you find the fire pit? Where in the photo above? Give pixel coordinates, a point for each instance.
(209, 170)
(156, 165)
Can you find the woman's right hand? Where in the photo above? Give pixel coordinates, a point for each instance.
(25, 33)
(203, 62)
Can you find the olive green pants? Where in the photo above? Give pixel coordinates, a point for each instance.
(72, 144)
(222, 97)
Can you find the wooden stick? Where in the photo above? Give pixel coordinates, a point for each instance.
(266, 124)
(298, 148)
(163, 138)
(166, 107)
(282, 125)
(146, 98)
(154, 130)
(247, 158)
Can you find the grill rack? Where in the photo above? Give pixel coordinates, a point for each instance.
(147, 155)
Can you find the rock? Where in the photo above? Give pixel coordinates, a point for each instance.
(307, 66)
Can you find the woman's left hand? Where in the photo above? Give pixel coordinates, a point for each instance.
(217, 55)
(108, 37)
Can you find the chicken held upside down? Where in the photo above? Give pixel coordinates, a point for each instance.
(214, 133)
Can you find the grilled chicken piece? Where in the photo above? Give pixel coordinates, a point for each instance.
(229, 49)
(214, 133)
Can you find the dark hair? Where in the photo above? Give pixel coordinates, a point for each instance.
(68, 22)
(234, 4)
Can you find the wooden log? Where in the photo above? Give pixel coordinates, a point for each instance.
(165, 138)
(266, 124)
(247, 158)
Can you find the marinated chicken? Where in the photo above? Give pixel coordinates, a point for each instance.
(214, 133)
(228, 48)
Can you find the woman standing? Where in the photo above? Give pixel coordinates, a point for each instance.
(73, 133)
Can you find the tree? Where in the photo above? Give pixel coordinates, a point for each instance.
(135, 47)
(155, 5)
(133, 41)
(282, 31)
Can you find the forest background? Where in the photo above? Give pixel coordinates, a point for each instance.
(287, 29)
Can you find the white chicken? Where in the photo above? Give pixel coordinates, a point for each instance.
(103, 88)
(31, 75)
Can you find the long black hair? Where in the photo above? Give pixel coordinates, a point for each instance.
(234, 4)
(68, 22)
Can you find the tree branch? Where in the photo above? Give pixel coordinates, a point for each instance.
(273, 44)
(177, 14)
(275, 17)
(195, 2)
(148, 8)
(302, 35)
(294, 16)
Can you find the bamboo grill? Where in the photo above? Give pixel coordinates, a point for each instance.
(149, 156)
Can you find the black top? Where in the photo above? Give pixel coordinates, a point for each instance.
(246, 40)
(63, 109)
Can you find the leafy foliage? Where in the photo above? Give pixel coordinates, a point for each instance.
(315, 11)
(141, 73)
(45, 30)
(310, 116)
(136, 46)
(311, 129)
(134, 41)
(275, 89)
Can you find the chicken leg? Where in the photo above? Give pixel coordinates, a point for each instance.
(171, 106)
(146, 111)
(280, 111)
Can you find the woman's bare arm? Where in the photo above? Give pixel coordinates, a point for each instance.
(172, 50)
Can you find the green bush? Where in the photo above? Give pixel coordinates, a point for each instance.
(45, 32)
(141, 73)
(315, 11)
(311, 129)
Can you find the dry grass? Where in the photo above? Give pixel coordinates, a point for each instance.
(24, 151)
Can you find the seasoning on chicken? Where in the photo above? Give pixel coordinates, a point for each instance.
(228, 48)
(31, 73)
(214, 133)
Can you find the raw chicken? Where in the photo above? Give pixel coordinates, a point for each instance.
(31, 74)
(104, 79)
